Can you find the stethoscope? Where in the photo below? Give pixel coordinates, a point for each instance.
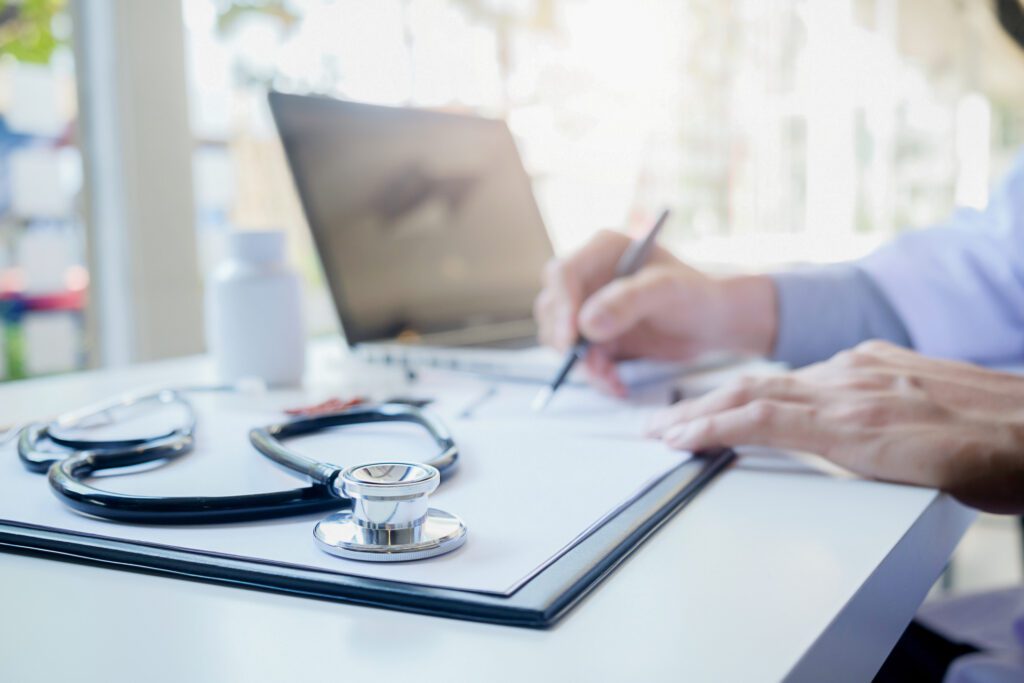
(388, 517)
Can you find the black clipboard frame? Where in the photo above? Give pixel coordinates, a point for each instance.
(539, 603)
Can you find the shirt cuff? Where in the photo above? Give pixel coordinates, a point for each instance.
(825, 309)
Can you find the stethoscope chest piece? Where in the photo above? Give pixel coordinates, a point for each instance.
(390, 519)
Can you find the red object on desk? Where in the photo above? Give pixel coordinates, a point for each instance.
(331, 405)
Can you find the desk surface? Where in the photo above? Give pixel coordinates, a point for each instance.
(776, 571)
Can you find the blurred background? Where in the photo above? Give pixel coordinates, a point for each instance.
(780, 131)
(135, 135)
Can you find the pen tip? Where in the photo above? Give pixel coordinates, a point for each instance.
(542, 399)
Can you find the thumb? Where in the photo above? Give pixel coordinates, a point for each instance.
(615, 308)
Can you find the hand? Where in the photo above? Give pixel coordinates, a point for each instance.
(666, 311)
(880, 411)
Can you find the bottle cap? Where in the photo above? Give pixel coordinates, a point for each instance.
(257, 246)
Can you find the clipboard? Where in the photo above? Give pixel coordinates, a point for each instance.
(539, 603)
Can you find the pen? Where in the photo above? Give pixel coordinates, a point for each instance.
(631, 261)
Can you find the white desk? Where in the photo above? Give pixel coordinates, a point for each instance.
(769, 574)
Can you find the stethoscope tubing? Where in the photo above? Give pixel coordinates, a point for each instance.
(67, 479)
(68, 473)
(268, 440)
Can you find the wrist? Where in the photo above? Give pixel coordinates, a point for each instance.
(987, 470)
(748, 314)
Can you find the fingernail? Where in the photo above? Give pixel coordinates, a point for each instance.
(681, 436)
(675, 435)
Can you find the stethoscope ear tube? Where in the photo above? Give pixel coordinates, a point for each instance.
(160, 448)
(33, 459)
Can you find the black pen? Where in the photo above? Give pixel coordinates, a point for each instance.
(631, 261)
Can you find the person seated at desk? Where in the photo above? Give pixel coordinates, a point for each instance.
(931, 416)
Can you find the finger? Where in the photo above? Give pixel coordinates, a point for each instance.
(902, 370)
(569, 280)
(734, 395)
(542, 315)
(884, 356)
(761, 423)
(594, 263)
(556, 306)
(556, 320)
(844, 381)
(867, 356)
(603, 372)
(904, 360)
(646, 341)
(621, 304)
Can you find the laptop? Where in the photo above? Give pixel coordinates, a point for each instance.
(428, 231)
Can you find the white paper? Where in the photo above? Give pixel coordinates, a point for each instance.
(573, 409)
(526, 487)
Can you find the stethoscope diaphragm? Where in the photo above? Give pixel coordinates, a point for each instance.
(390, 519)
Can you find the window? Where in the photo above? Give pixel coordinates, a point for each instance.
(43, 281)
(779, 131)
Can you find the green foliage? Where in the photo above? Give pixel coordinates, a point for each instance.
(26, 29)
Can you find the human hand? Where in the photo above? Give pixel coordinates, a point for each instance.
(880, 411)
(666, 311)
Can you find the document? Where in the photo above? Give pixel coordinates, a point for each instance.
(576, 410)
(527, 486)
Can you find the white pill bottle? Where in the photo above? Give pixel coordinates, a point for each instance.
(254, 325)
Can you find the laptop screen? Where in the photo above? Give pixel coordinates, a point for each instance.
(425, 222)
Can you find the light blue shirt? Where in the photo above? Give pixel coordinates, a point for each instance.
(955, 290)
(959, 287)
